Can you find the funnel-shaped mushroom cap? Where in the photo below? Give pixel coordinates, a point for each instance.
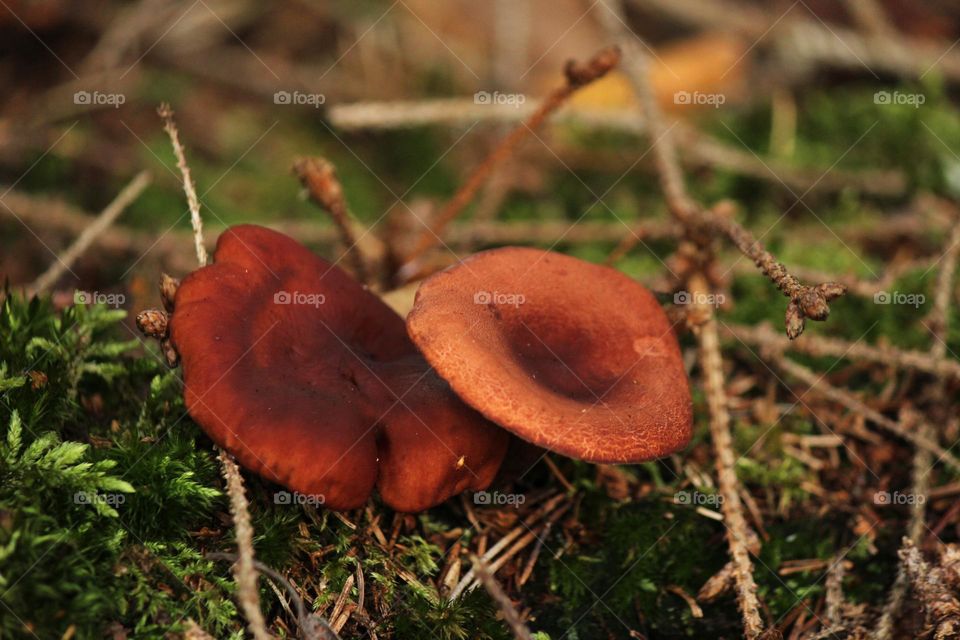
(311, 381)
(571, 356)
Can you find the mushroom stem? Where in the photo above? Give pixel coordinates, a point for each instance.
(319, 176)
(578, 76)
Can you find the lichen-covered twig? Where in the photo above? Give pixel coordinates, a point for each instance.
(834, 596)
(90, 233)
(806, 301)
(738, 537)
(193, 202)
(687, 212)
(510, 613)
(922, 459)
(577, 76)
(941, 606)
(319, 177)
(245, 573)
(920, 486)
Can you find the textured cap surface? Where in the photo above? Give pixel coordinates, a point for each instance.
(311, 381)
(571, 356)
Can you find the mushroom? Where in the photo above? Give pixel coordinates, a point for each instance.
(571, 356)
(311, 381)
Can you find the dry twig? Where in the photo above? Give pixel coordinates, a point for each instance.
(319, 176)
(922, 459)
(90, 233)
(941, 606)
(687, 212)
(245, 573)
(193, 202)
(700, 150)
(738, 537)
(804, 44)
(848, 400)
(577, 77)
(765, 337)
(510, 613)
(805, 301)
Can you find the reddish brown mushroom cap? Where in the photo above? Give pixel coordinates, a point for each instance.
(571, 356)
(311, 381)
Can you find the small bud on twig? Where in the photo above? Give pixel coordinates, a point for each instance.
(579, 74)
(794, 320)
(169, 353)
(153, 323)
(319, 177)
(168, 291)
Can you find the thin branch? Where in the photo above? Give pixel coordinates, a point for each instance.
(193, 202)
(764, 336)
(312, 626)
(577, 77)
(941, 606)
(244, 571)
(846, 399)
(805, 301)
(57, 215)
(870, 17)
(510, 613)
(689, 213)
(89, 235)
(922, 462)
(699, 149)
(834, 596)
(319, 177)
(738, 537)
(803, 44)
